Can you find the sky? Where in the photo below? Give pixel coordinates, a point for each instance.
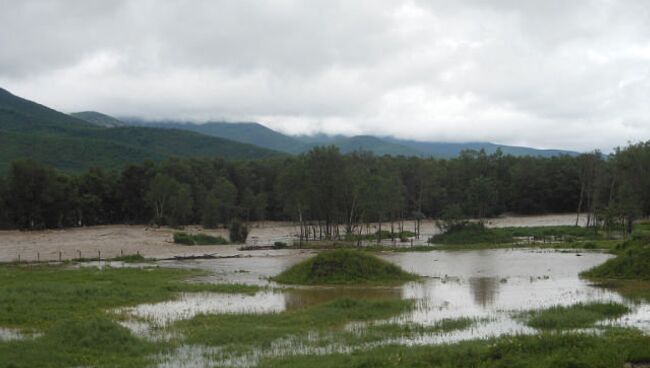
(542, 73)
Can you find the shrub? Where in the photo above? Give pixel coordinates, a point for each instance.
(238, 232)
(198, 239)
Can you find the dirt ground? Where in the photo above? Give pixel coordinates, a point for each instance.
(113, 240)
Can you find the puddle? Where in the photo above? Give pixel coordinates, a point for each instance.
(189, 305)
(10, 334)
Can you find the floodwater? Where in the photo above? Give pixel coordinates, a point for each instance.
(490, 287)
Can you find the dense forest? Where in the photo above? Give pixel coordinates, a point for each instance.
(336, 191)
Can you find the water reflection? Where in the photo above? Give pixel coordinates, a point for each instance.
(484, 290)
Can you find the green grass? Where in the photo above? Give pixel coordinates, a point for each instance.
(477, 233)
(240, 332)
(71, 309)
(198, 239)
(632, 262)
(574, 316)
(37, 297)
(343, 266)
(613, 349)
(130, 258)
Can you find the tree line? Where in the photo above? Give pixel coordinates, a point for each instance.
(328, 193)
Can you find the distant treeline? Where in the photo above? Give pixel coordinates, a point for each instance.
(338, 192)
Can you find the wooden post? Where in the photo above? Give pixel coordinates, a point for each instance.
(38, 256)
(59, 256)
(79, 252)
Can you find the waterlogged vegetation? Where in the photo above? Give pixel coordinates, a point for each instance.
(575, 316)
(343, 266)
(86, 316)
(614, 348)
(198, 239)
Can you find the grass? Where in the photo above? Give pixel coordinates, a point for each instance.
(343, 266)
(71, 309)
(477, 233)
(131, 258)
(614, 348)
(241, 332)
(632, 262)
(198, 239)
(37, 297)
(574, 316)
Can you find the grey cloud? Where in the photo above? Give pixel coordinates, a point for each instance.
(566, 74)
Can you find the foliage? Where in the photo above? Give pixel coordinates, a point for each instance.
(238, 232)
(343, 266)
(198, 239)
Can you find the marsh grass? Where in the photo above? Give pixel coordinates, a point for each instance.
(632, 262)
(344, 266)
(242, 331)
(614, 348)
(477, 233)
(575, 316)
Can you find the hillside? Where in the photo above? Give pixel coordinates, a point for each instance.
(98, 118)
(33, 131)
(251, 133)
(259, 135)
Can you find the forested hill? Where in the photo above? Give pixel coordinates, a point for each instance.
(252, 133)
(258, 134)
(29, 130)
(98, 118)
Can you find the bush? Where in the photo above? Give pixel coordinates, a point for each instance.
(198, 239)
(279, 245)
(238, 232)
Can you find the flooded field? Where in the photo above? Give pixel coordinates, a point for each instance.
(114, 240)
(492, 288)
(462, 295)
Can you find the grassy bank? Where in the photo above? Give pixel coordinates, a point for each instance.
(343, 266)
(478, 233)
(574, 316)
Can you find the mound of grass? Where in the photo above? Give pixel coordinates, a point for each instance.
(574, 316)
(633, 263)
(343, 266)
(198, 239)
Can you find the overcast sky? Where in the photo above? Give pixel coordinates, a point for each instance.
(549, 73)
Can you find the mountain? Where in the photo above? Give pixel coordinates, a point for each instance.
(29, 130)
(251, 133)
(98, 118)
(448, 150)
(262, 136)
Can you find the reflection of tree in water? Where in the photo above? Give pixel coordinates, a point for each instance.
(301, 298)
(484, 290)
